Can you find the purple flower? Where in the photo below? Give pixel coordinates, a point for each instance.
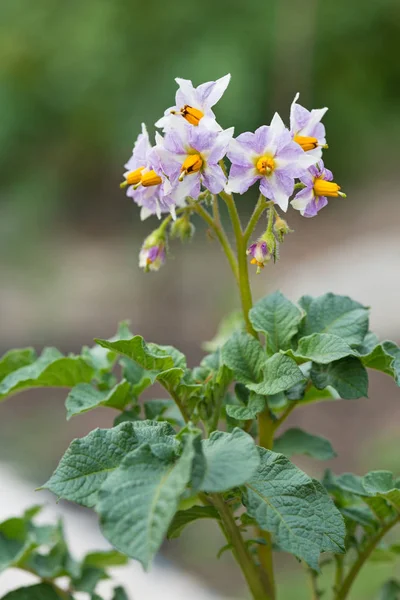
(306, 127)
(259, 253)
(146, 183)
(152, 255)
(270, 156)
(189, 157)
(318, 187)
(194, 104)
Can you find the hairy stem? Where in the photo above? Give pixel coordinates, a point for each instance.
(244, 284)
(344, 590)
(223, 240)
(258, 211)
(286, 413)
(259, 586)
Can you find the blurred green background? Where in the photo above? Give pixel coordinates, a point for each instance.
(76, 80)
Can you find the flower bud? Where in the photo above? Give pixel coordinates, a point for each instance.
(182, 229)
(153, 253)
(259, 253)
(281, 228)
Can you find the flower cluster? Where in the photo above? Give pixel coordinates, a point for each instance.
(188, 159)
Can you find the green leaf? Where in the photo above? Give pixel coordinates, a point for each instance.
(336, 315)
(322, 348)
(147, 355)
(294, 508)
(390, 591)
(41, 591)
(89, 579)
(15, 542)
(348, 376)
(296, 441)
(228, 326)
(231, 459)
(138, 501)
(245, 356)
(185, 517)
(362, 515)
(313, 395)
(89, 461)
(386, 358)
(278, 319)
(85, 397)
(280, 373)
(157, 408)
(52, 369)
(16, 359)
(119, 594)
(104, 559)
(255, 406)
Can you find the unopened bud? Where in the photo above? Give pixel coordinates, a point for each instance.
(153, 253)
(182, 229)
(281, 228)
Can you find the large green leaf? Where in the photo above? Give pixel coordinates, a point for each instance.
(52, 369)
(147, 355)
(322, 348)
(138, 501)
(295, 508)
(336, 315)
(278, 319)
(348, 376)
(89, 461)
(296, 441)
(41, 591)
(185, 517)
(280, 373)
(230, 460)
(16, 359)
(85, 397)
(245, 356)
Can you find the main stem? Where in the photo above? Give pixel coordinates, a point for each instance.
(265, 422)
(260, 588)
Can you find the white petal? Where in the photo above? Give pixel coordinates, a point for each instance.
(217, 90)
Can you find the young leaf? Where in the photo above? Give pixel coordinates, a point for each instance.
(139, 500)
(390, 591)
(336, 315)
(15, 542)
(280, 373)
(295, 508)
(322, 348)
(348, 376)
(41, 591)
(85, 397)
(245, 356)
(16, 359)
(296, 441)
(104, 559)
(255, 406)
(185, 517)
(89, 461)
(52, 369)
(230, 460)
(278, 319)
(386, 358)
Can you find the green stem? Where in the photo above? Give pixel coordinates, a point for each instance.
(258, 211)
(343, 592)
(259, 586)
(221, 237)
(339, 573)
(312, 577)
(288, 411)
(244, 284)
(179, 404)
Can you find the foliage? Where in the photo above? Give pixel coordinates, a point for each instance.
(42, 550)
